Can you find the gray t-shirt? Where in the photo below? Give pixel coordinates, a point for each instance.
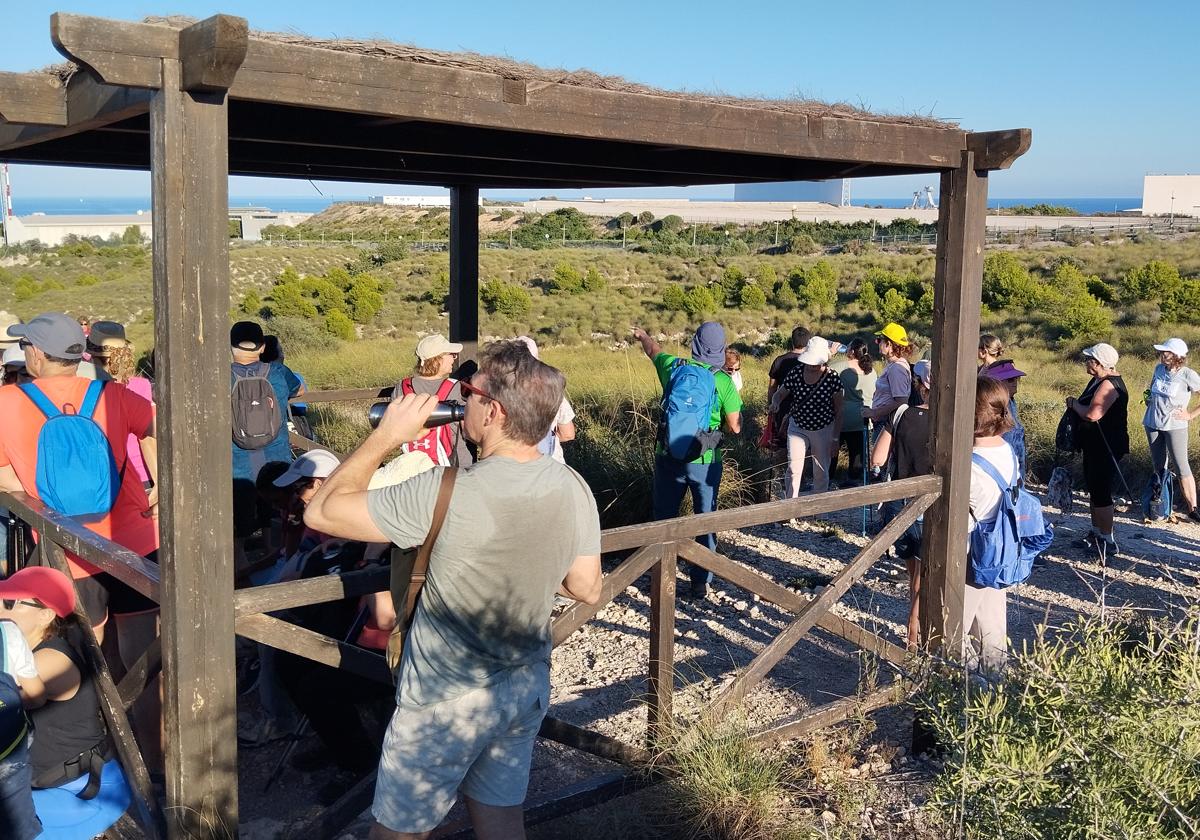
(895, 383)
(431, 386)
(1169, 391)
(511, 533)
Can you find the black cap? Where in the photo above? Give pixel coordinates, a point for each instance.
(246, 335)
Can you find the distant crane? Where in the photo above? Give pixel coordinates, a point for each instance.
(923, 200)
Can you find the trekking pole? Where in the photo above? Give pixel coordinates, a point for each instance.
(865, 435)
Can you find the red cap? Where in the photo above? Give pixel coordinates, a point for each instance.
(49, 586)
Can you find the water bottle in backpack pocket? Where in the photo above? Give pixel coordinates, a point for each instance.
(686, 431)
(77, 474)
(254, 408)
(1157, 501)
(1001, 551)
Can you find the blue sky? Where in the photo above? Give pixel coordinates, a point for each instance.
(1109, 89)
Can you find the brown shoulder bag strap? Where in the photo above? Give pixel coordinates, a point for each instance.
(421, 563)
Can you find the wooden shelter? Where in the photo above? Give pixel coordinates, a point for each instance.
(196, 102)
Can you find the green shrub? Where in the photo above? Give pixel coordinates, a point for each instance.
(593, 280)
(645, 217)
(1082, 318)
(801, 244)
(1093, 733)
(671, 223)
(752, 297)
(732, 280)
(1184, 306)
(783, 296)
(818, 288)
(765, 276)
(364, 298)
(439, 290)
(1007, 284)
(338, 324)
(895, 306)
(506, 299)
(251, 304)
(25, 288)
(700, 301)
(674, 298)
(566, 279)
(287, 300)
(1157, 280)
(87, 280)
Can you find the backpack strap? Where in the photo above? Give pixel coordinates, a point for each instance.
(443, 391)
(91, 398)
(406, 387)
(421, 563)
(39, 399)
(986, 465)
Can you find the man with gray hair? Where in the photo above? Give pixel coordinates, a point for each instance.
(474, 679)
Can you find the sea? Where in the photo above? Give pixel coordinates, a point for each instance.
(124, 205)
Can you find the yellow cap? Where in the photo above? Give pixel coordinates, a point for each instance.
(895, 334)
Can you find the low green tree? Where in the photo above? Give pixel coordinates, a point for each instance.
(732, 280)
(507, 299)
(364, 298)
(338, 323)
(1007, 284)
(783, 296)
(566, 279)
(133, 235)
(593, 280)
(700, 301)
(87, 280)
(645, 217)
(287, 300)
(671, 223)
(818, 288)
(752, 297)
(801, 244)
(251, 304)
(439, 289)
(674, 298)
(25, 288)
(895, 306)
(765, 276)
(1157, 280)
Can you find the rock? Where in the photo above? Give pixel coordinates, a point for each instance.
(828, 817)
(755, 612)
(740, 606)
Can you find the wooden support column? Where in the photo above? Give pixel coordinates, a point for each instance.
(190, 178)
(464, 268)
(661, 683)
(958, 279)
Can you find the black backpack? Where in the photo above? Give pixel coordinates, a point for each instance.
(255, 410)
(14, 726)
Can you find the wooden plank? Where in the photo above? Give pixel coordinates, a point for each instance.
(32, 98)
(957, 283)
(119, 53)
(688, 527)
(999, 149)
(588, 741)
(612, 585)
(464, 268)
(148, 666)
(212, 51)
(144, 804)
(191, 328)
(661, 683)
(779, 647)
(130, 568)
(90, 104)
(781, 596)
(285, 636)
(318, 590)
(831, 713)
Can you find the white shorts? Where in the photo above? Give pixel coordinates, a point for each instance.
(480, 742)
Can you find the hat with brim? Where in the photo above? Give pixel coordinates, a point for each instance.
(246, 335)
(105, 335)
(432, 346)
(1003, 370)
(315, 463)
(47, 586)
(816, 353)
(895, 333)
(6, 321)
(54, 333)
(14, 357)
(923, 370)
(1105, 354)
(1172, 345)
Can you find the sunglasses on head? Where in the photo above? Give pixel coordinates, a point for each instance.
(468, 389)
(10, 603)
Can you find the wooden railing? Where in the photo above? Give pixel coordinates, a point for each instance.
(656, 549)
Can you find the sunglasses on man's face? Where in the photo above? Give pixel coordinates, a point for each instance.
(9, 604)
(468, 389)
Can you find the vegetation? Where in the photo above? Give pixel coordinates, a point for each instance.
(1040, 209)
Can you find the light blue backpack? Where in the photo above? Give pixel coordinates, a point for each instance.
(691, 395)
(77, 474)
(1002, 550)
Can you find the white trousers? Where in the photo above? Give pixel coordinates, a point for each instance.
(985, 617)
(801, 443)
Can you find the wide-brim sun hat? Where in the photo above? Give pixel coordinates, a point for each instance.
(816, 353)
(895, 333)
(1173, 345)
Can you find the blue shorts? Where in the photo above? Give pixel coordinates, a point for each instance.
(479, 742)
(18, 820)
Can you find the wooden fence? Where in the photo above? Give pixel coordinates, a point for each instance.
(656, 550)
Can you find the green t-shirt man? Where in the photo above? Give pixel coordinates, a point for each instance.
(728, 400)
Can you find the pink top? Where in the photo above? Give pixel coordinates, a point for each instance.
(140, 385)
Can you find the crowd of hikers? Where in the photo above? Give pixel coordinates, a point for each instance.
(464, 492)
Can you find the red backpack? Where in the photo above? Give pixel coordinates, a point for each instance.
(437, 443)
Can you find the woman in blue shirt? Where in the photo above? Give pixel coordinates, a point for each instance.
(1167, 416)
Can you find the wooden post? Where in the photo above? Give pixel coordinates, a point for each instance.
(189, 138)
(958, 279)
(464, 268)
(661, 683)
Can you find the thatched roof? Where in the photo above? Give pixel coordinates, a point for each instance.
(513, 69)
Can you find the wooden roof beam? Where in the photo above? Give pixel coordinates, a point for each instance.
(131, 54)
(32, 99)
(89, 104)
(998, 149)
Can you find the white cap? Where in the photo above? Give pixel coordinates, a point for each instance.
(816, 353)
(530, 343)
(432, 346)
(316, 463)
(923, 370)
(1105, 354)
(14, 356)
(1173, 345)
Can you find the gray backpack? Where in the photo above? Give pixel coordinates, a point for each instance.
(257, 418)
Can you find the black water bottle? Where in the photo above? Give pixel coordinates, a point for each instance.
(443, 413)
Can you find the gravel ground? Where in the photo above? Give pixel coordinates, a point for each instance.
(599, 673)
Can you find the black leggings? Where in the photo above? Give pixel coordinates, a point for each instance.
(1098, 473)
(853, 443)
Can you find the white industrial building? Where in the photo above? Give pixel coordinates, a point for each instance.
(833, 192)
(51, 230)
(1171, 195)
(412, 200)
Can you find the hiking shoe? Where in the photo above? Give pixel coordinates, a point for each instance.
(698, 591)
(1194, 514)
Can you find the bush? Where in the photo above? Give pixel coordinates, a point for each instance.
(765, 276)
(732, 280)
(700, 301)
(783, 296)
(567, 279)
(507, 299)
(1007, 284)
(674, 298)
(1094, 732)
(671, 223)
(817, 288)
(801, 244)
(287, 300)
(364, 298)
(338, 324)
(1157, 280)
(133, 235)
(1185, 305)
(25, 288)
(438, 292)
(645, 217)
(87, 280)
(251, 304)
(752, 297)
(593, 280)
(894, 306)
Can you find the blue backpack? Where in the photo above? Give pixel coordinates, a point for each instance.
(77, 474)
(687, 412)
(1157, 503)
(13, 723)
(1002, 551)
